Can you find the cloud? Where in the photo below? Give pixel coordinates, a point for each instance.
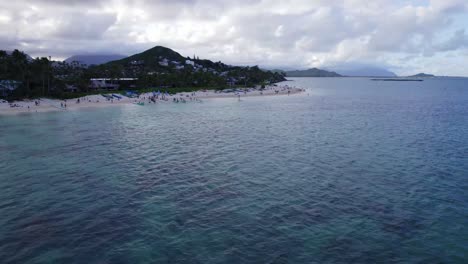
(289, 33)
(83, 26)
(459, 40)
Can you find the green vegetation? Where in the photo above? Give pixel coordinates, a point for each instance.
(34, 76)
(163, 67)
(158, 68)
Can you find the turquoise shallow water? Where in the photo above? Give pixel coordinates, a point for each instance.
(351, 171)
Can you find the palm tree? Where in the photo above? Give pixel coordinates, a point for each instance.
(3, 64)
(20, 62)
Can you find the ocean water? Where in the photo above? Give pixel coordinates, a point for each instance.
(352, 171)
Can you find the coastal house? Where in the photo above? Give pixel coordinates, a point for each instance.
(8, 86)
(231, 81)
(71, 88)
(198, 67)
(61, 76)
(189, 62)
(137, 63)
(112, 84)
(164, 62)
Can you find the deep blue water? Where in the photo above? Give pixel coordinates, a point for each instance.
(352, 171)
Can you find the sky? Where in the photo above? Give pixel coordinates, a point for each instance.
(406, 37)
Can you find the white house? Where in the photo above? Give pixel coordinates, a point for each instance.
(8, 86)
(189, 62)
(136, 63)
(71, 88)
(164, 62)
(110, 84)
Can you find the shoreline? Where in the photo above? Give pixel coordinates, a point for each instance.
(43, 105)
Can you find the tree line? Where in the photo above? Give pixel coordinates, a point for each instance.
(34, 75)
(42, 77)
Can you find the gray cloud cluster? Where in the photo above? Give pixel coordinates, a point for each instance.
(273, 33)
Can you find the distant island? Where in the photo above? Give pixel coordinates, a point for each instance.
(314, 72)
(422, 75)
(361, 70)
(397, 80)
(413, 78)
(345, 70)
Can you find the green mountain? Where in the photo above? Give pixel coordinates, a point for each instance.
(314, 72)
(151, 57)
(161, 66)
(156, 68)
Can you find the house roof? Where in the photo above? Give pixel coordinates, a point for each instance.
(9, 84)
(116, 79)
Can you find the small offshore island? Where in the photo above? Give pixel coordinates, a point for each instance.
(155, 75)
(397, 80)
(413, 78)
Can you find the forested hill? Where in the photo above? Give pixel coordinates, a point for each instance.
(314, 72)
(152, 56)
(159, 67)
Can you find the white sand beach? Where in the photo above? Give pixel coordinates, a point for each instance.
(114, 99)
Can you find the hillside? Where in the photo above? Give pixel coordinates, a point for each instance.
(314, 72)
(153, 55)
(161, 66)
(164, 59)
(10, 52)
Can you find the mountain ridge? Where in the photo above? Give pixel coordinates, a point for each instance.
(313, 72)
(361, 70)
(94, 59)
(163, 66)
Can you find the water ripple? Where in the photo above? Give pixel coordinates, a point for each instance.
(334, 178)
